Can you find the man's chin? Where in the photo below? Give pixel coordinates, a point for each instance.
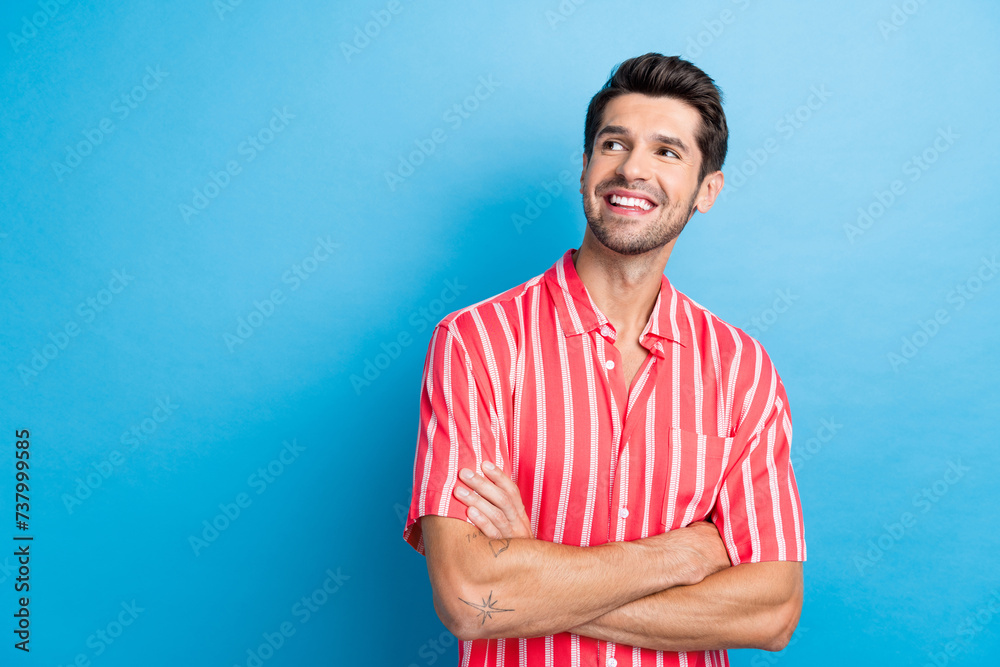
(623, 244)
(627, 247)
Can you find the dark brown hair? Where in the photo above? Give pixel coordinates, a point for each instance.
(667, 76)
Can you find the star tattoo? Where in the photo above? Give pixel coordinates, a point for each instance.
(487, 608)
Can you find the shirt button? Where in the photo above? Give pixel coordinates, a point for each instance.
(612, 662)
(605, 330)
(623, 513)
(609, 364)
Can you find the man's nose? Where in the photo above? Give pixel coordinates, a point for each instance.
(636, 166)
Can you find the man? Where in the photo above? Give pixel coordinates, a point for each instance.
(602, 474)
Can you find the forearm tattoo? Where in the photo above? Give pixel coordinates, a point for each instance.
(487, 608)
(496, 546)
(499, 546)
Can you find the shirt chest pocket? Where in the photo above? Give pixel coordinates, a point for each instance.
(694, 464)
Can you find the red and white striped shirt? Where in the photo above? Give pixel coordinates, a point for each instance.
(530, 379)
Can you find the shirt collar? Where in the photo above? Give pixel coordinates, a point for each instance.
(579, 314)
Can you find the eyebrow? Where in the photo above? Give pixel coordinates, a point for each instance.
(624, 131)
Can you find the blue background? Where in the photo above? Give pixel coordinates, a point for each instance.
(893, 78)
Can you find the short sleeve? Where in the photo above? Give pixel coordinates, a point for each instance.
(758, 512)
(457, 430)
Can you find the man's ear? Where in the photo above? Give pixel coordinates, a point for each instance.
(710, 188)
(583, 172)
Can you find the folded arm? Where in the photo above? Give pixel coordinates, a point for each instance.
(523, 587)
(752, 605)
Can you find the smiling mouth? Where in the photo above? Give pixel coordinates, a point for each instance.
(631, 206)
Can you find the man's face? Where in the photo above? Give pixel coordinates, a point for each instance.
(645, 148)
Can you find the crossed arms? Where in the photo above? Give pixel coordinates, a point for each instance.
(675, 592)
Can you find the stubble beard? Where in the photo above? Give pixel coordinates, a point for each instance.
(629, 236)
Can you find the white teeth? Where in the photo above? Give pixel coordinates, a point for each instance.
(631, 201)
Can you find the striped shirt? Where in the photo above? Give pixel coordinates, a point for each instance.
(530, 379)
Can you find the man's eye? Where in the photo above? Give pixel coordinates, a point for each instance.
(608, 143)
(667, 150)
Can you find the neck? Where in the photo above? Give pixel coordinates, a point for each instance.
(624, 287)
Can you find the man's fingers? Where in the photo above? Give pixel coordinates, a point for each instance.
(499, 499)
(492, 492)
(517, 514)
(494, 516)
(483, 524)
(505, 483)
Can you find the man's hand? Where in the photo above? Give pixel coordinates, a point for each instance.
(494, 503)
(699, 552)
(496, 509)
